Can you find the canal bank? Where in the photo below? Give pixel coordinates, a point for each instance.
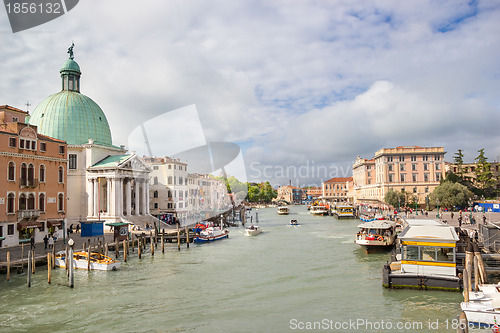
(242, 284)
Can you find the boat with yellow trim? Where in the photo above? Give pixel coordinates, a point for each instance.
(98, 261)
(425, 259)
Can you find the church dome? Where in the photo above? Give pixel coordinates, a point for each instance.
(70, 115)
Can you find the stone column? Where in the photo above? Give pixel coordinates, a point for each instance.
(90, 196)
(108, 196)
(96, 197)
(128, 196)
(147, 197)
(144, 197)
(136, 196)
(119, 197)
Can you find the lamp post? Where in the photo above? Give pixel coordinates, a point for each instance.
(399, 204)
(416, 201)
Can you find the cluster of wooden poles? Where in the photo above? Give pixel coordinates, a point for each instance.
(473, 263)
(141, 246)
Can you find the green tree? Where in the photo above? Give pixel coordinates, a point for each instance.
(395, 198)
(484, 176)
(459, 162)
(451, 194)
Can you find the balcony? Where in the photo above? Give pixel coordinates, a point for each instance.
(31, 214)
(28, 183)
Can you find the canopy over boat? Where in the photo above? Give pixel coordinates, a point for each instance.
(378, 224)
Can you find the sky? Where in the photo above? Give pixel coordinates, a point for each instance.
(303, 87)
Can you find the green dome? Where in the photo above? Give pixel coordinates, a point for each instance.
(72, 117)
(70, 66)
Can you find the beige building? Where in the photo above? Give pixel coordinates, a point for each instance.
(337, 189)
(411, 169)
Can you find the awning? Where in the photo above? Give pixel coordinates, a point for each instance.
(54, 223)
(2, 238)
(117, 224)
(28, 224)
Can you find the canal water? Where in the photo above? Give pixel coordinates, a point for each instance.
(287, 278)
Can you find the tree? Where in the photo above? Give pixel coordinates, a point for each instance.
(451, 194)
(459, 162)
(395, 198)
(485, 182)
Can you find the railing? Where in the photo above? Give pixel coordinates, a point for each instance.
(28, 183)
(28, 214)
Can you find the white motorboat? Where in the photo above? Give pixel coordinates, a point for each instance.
(485, 314)
(319, 210)
(253, 230)
(211, 234)
(294, 222)
(283, 210)
(98, 261)
(376, 234)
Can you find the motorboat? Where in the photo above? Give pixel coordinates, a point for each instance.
(294, 222)
(319, 210)
(211, 234)
(283, 210)
(253, 230)
(98, 261)
(376, 234)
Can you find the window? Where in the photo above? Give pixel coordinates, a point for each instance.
(11, 200)
(414, 167)
(426, 190)
(402, 167)
(401, 158)
(41, 202)
(170, 166)
(426, 177)
(169, 180)
(61, 174)
(414, 190)
(413, 158)
(390, 167)
(31, 175)
(12, 142)
(389, 159)
(24, 174)
(61, 150)
(43, 146)
(72, 161)
(414, 177)
(391, 177)
(426, 166)
(175, 167)
(12, 171)
(155, 194)
(22, 202)
(42, 173)
(15, 119)
(403, 177)
(438, 177)
(155, 167)
(155, 181)
(438, 166)
(21, 143)
(10, 229)
(437, 157)
(156, 205)
(428, 253)
(425, 157)
(60, 202)
(410, 252)
(180, 180)
(31, 201)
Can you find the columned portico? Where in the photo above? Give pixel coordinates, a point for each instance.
(136, 212)
(128, 197)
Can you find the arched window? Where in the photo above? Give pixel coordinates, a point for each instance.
(31, 174)
(31, 201)
(22, 202)
(24, 174)
(11, 202)
(60, 202)
(61, 174)
(42, 173)
(41, 202)
(155, 194)
(12, 171)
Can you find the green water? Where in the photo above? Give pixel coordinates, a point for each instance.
(282, 280)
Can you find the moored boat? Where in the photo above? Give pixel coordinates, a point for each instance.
(98, 261)
(283, 210)
(211, 234)
(253, 230)
(376, 234)
(343, 211)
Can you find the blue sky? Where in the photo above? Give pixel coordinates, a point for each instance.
(292, 81)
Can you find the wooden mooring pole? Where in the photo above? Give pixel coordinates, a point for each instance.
(33, 261)
(162, 244)
(49, 267)
(187, 237)
(29, 269)
(71, 281)
(124, 250)
(8, 265)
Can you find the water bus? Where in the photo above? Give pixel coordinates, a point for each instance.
(343, 211)
(283, 210)
(376, 235)
(319, 210)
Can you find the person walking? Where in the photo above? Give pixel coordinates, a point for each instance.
(51, 242)
(45, 240)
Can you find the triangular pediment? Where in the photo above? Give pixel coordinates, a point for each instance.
(134, 163)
